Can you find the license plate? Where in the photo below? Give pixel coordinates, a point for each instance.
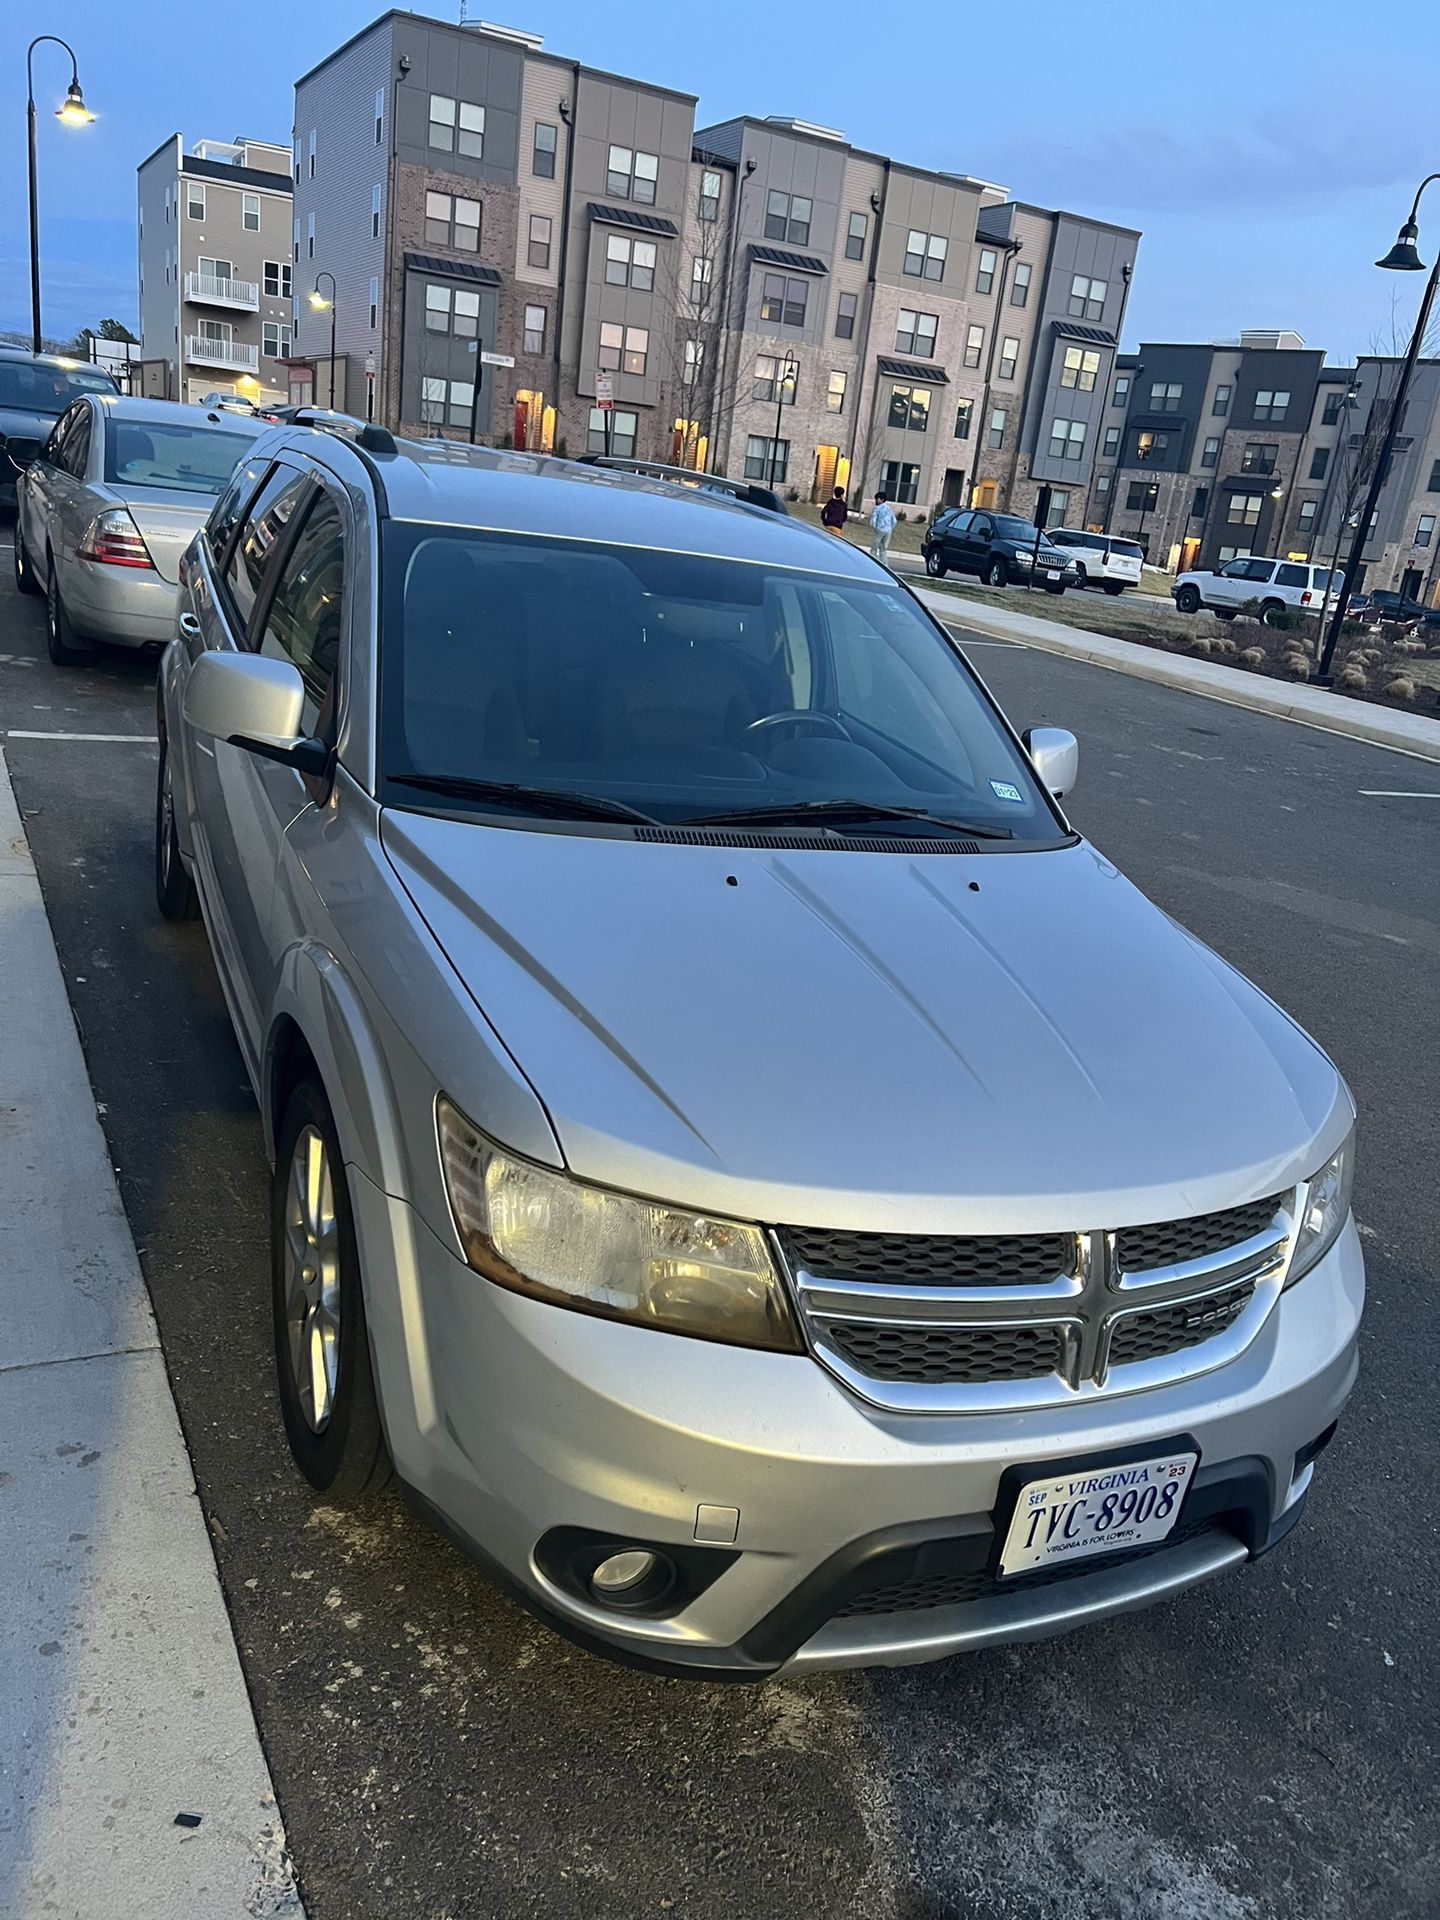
(1052, 575)
(1094, 1511)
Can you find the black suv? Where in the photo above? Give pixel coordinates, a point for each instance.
(1000, 547)
(35, 389)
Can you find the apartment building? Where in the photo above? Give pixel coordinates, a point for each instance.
(215, 268)
(1401, 550)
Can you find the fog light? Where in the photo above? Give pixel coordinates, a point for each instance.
(618, 1576)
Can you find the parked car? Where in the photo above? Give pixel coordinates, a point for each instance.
(107, 509)
(999, 547)
(1279, 587)
(229, 403)
(35, 389)
(1101, 559)
(1383, 604)
(727, 1150)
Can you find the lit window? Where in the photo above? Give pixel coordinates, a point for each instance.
(909, 409)
(835, 393)
(535, 318)
(694, 362)
(1081, 369)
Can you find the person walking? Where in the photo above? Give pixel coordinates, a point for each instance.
(835, 512)
(882, 525)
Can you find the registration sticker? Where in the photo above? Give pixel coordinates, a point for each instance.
(1007, 790)
(1094, 1511)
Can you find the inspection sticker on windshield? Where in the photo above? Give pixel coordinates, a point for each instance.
(1006, 790)
(1095, 1511)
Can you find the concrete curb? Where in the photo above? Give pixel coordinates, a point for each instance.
(1410, 733)
(122, 1702)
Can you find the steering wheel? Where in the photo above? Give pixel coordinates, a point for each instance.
(801, 717)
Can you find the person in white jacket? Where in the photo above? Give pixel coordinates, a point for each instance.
(882, 525)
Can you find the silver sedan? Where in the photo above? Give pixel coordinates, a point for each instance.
(114, 497)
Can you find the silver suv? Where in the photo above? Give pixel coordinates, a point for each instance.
(777, 1195)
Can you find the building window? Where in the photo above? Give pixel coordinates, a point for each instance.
(442, 405)
(1210, 453)
(630, 263)
(1305, 521)
(925, 255)
(312, 153)
(766, 459)
(1319, 461)
(194, 199)
(1425, 530)
(623, 348)
(694, 362)
(537, 251)
(250, 212)
(963, 411)
(276, 279)
(1142, 496)
(985, 270)
(974, 345)
(1221, 402)
(374, 302)
(447, 309)
(1333, 403)
(835, 393)
(379, 115)
(1009, 357)
(215, 269)
(845, 316)
(632, 176)
(1059, 507)
(787, 217)
(452, 222)
(709, 208)
(624, 428)
(542, 150)
(442, 122)
(771, 382)
(915, 332)
(1243, 509)
(1233, 553)
(909, 409)
(534, 329)
(1259, 457)
(310, 237)
(995, 432)
(1433, 484)
(1081, 369)
(1149, 443)
(1020, 285)
(900, 482)
(1067, 439)
(782, 300)
(1200, 503)
(1102, 485)
(437, 309)
(1271, 405)
(855, 236)
(375, 211)
(1112, 442)
(1087, 298)
(700, 278)
(296, 236)
(1121, 391)
(1166, 397)
(275, 340)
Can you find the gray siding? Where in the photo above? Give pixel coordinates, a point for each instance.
(159, 297)
(441, 356)
(1078, 247)
(460, 66)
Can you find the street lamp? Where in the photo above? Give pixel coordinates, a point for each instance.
(72, 112)
(320, 303)
(785, 376)
(1403, 257)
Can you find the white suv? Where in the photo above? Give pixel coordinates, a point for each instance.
(1101, 559)
(1279, 587)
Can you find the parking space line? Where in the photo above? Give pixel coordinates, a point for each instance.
(1393, 793)
(20, 733)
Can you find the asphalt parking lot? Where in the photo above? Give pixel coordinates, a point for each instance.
(1262, 1749)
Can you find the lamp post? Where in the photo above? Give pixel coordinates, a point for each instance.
(72, 112)
(1403, 257)
(320, 303)
(786, 375)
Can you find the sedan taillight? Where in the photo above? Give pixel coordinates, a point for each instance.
(114, 538)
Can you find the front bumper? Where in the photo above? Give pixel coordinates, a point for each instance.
(128, 606)
(1021, 571)
(514, 1424)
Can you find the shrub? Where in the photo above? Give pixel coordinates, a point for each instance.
(1401, 688)
(1253, 657)
(1354, 677)
(1201, 644)
(1296, 665)
(1224, 644)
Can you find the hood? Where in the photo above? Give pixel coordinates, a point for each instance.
(988, 1043)
(168, 519)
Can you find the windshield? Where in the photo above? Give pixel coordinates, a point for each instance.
(681, 687)
(1130, 548)
(185, 459)
(1010, 527)
(29, 387)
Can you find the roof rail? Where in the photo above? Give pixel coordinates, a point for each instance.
(364, 433)
(743, 490)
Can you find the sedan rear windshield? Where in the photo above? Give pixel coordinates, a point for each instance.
(679, 686)
(29, 388)
(1131, 549)
(183, 459)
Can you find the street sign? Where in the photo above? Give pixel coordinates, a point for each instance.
(604, 392)
(497, 359)
(369, 366)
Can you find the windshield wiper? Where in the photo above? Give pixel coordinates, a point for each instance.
(511, 793)
(855, 811)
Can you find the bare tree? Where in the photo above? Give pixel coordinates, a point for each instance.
(699, 375)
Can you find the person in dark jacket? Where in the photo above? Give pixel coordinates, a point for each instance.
(834, 512)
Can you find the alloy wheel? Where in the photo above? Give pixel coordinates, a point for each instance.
(312, 1278)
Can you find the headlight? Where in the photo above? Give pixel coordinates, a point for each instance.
(1324, 1209)
(542, 1233)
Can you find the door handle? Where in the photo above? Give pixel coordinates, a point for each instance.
(189, 626)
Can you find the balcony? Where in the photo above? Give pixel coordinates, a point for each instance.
(234, 355)
(209, 290)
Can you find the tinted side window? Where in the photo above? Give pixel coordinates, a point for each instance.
(77, 442)
(303, 622)
(1259, 569)
(982, 528)
(54, 449)
(225, 514)
(265, 525)
(1290, 576)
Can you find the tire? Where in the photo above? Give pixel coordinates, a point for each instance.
(174, 889)
(1223, 613)
(1082, 577)
(1187, 599)
(997, 574)
(1273, 613)
(1114, 588)
(62, 643)
(1056, 590)
(935, 566)
(329, 1406)
(25, 581)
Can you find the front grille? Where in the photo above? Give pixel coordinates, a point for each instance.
(957, 1589)
(931, 1355)
(930, 1259)
(1160, 1331)
(1167, 1244)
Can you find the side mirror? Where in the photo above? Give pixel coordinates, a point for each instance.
(21, 451)
(1055, 756)
(252, 702)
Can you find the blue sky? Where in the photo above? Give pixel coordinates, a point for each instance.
(1268, 152)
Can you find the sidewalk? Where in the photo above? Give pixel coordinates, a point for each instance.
(122, 1703)
(1412, 733)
